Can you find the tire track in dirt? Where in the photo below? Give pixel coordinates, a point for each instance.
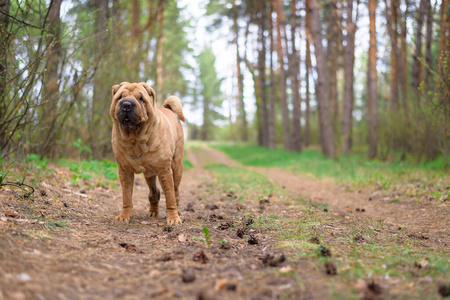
(426, 223)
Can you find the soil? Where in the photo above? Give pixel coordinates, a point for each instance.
(62, 243)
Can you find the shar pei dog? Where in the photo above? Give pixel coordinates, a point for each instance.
(147, 139)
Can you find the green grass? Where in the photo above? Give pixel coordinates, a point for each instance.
(242, 181)
(353, 168)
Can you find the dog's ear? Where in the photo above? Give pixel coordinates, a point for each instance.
(149, 90)
(117, 87)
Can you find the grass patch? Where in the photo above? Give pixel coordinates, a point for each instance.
(243, 181)
(354, 168)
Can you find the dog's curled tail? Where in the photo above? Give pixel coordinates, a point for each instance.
(174, 104)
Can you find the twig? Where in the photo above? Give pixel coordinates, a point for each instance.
(21, 186)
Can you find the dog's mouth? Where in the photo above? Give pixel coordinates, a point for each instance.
(129, 121)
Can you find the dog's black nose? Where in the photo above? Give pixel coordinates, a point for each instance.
(126, 105)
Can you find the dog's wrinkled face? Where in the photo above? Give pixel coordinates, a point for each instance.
(132, 104)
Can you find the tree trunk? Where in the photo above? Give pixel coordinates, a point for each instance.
(327, 141)
(428, 39)
(50, 79)
(280, 53)
(404, 52)
(416, 67)
(4, 47)
(332, 57)
(97, 125)
(159, 81)
(396, 61)
(349, 60)
(372, 98)
(294, 69)
(444, 54)
(262, 75)
(308, 70)
(240, 78)
(392, 22)
(271, 110)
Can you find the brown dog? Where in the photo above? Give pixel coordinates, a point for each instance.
(147, 139)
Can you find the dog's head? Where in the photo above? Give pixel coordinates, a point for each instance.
(133, 104)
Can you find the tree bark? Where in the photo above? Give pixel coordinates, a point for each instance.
(262, 75)
(281, 21)
(50, 78)
(332, 57)
(416, 67)
(444, 54)
(240, 78)
(159, 81)
(4, 47)
(294, 69)
(349, 60)
(428, 39)
(308, 70)
(271, 111)
(372, 98)
(97, 125)
(327, 141)
(391, 18)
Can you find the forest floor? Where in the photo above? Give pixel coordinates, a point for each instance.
(247, 233)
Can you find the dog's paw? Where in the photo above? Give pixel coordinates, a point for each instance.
(153, 214)
(122, 219)
(173, 220)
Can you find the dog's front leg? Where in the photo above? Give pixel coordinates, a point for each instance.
(166, 180)
(126, 181)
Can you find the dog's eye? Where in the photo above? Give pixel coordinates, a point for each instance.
(140, 99)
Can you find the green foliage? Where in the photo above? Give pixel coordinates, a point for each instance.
(352, 168)
(211, 97)
(81, 147)
(87, 169)
(187, 164)
(4, 169)
(241, 180)
(207, 238)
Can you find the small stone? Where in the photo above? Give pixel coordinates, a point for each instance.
(188, 276)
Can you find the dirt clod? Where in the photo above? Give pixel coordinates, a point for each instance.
(225, 285)
(200, 257)
(240, 232)
(66, 204)
(225, 245)
(212, 206)
(374, 287)
(190, 207)
(253, 240)
(324, 251)
(188, 275)
(166, 257)
(330, 268)
(248, 221)
(358, 237)
(273, 261)
(226, 225)
(314, 240)
(168, 229)
(444, 290)
(128, 247)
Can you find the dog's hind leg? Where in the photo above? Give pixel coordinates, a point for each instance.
(177, 169)
(153, 196)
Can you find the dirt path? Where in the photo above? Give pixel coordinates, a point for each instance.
(63, 244)
(427, 222)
